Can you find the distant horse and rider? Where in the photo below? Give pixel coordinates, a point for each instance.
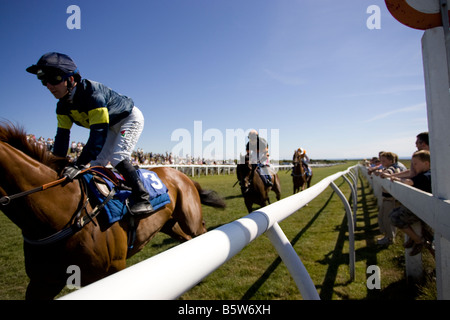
(63, 225)
(301, 172)
(254, 174)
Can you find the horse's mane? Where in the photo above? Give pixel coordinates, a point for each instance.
(16, 137)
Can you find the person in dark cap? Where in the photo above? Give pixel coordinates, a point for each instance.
(114, 122)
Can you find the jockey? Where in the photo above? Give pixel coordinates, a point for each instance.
(114, 122)
(305, 160)
(258, 153)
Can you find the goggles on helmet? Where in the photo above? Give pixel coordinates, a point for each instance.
(51, 78)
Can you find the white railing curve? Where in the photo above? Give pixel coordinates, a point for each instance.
(160, 277)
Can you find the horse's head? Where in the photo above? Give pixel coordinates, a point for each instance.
(296, 158)
(26, 165)
(243, 170)
(297, 162)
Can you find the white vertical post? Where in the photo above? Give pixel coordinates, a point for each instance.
(292, 261)
(438, 110)
(414, 264)
(354, 189)
(351, 229)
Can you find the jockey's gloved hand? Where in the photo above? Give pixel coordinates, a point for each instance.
(71, 171)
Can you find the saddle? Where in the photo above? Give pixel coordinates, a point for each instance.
(102, 181)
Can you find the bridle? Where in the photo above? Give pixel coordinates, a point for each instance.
(78, 222)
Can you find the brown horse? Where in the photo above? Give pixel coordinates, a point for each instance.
(299, 177)
(252, 186)
(99, 248)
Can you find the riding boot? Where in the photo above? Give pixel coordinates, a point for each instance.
(265, 177)
(140, 197)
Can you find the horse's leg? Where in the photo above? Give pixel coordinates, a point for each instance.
(45, 269)
(248, 204)
(188, 212)
(276, 186)
(173, 229)
(43, 290)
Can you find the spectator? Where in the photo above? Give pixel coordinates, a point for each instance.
(422, 143)
(403, 218)
(73, 147)
(375, 164)
(79, 149)
(389, 203)
(50, 144)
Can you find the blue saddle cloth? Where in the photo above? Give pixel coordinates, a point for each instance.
(116, 208)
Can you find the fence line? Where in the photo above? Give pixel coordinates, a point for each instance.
(160, 277)
(432, 210)
(198, 169)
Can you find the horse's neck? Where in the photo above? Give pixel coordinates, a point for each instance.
(52, 207)
(19, 169)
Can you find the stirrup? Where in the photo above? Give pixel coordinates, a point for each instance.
(133, 213)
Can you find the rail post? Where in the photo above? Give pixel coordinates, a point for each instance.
(292, 262)
(351, 233)
(438, 110)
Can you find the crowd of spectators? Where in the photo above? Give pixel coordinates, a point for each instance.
(392, 214)
(139, 157)
(74, 149)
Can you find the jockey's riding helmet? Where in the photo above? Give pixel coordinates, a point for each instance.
(54, 66)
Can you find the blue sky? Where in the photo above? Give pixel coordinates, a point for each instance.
(310, 73)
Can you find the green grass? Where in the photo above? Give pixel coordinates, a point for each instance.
(318, 233)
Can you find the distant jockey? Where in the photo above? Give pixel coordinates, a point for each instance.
(305, 160)
(258, 152)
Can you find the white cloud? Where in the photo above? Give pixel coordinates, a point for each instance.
(417, 107)
(390, 90)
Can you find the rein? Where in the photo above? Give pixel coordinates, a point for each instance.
(74, 227)
(7, 199)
